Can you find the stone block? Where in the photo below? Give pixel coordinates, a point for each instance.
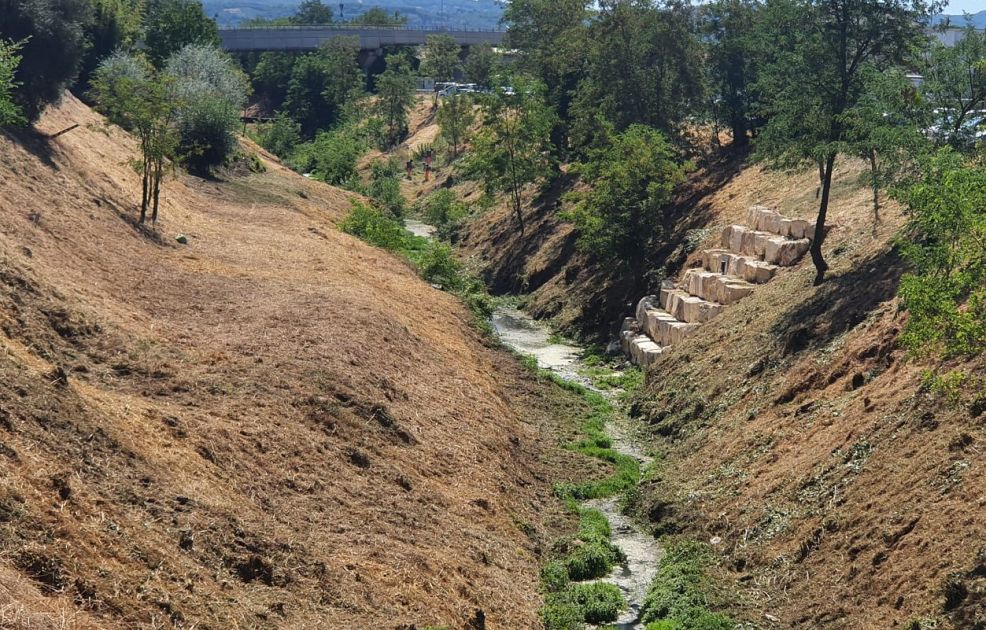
(688, 308)
(643, 351)
(784, 252)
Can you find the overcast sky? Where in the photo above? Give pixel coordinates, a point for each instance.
(972, 6)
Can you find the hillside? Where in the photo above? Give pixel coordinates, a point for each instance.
(794, 431)
(274, 425)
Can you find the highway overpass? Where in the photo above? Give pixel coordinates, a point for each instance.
(370, 38)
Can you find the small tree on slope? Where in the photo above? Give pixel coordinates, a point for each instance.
(821, 52)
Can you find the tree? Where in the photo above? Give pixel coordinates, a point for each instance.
(52, 33)
(643, 66)
(10, 113)
(455, 117)
(331, 157)
(173, 24)
(212, 91)
(825, 49)
(135, 96)
(946, 244)
(955, 84)
(312, 13)
(731, 43)
(512, 150)
(441, 57)
(480, 64)
(272, 75)
(281, 136)
(395, 93)
(551, 35)
(116, 25)
(632, 181)
(322, 84)
(375, 16)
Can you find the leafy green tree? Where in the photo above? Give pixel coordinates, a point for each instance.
(10, 113)
(442, 208)
(825, 50)
(395, 96)
(632, 181)
(886, 129)
(441, 57)
(375, 16)
(116, 25)
(212, 91)
(135, 96)
(456, 116)
(272, 76)
(52, 33)
(955, 85)
(552, 35)
(323, 83)
(730, 29)
(385, 186)
(513, 148)
(946, 244)
(331, 157)
(643, 66)
(480, 64)
(281, 137)
(171, 25)
(312, 13)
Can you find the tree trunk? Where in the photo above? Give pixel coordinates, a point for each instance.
(158, 174)
(816, 244)
(876, 186)
(821, 179)
(738, 123)
(145, 192)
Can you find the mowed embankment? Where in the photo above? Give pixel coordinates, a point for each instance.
(273, 426)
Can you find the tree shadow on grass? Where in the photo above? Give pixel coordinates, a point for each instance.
(840, 304)
(34, 142)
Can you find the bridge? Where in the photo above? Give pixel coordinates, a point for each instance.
(371, 38)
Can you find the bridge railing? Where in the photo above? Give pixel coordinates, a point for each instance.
(365, 27)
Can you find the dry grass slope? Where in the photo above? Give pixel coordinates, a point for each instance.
(274, 426)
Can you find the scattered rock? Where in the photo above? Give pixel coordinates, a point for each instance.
(182, 239)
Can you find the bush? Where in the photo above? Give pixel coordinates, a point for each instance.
(10, 114)
(280, 137)
(53, 36)
(385, 185)
(598, 602)
(210, 91)
(946, 293)
(439, 266)
(442, 208)
(171, 25)
(561, 613)
(554, 577)
(331, 157)
(374, 227)
(680, 592)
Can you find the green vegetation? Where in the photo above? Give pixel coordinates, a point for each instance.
(634, 174)
(171, 25)
(455, 117)
(512, 150)
(956, 85)
(385, 185)
(133, 94)
(480, 64)
(442, 209)
(312, 13)
(679, 596)
(375, 16)
(807, 120)
(10, 113)
(572, 608)
(331, 157)
(319, 86)
(52, 43)
(946, 244)
(281, 137)
(395, 91)
(440, 58)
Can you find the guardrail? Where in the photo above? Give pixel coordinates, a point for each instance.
(347, 26)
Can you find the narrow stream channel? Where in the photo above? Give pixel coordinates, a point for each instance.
(523, 334)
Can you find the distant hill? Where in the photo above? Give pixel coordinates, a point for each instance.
(978, 19)
(456, 14)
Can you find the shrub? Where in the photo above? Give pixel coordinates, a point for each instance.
(442, 208)
(598, 602)
(374, 227)
(53, 36)
(561, 613)
(10, 114)
(171, 25)
(331, 157)
(211, 91)
(385, 185)
(439, 266)
(554, 577)
(679, 594)
(281, 137)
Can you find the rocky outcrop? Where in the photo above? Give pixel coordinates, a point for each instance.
(750, 255)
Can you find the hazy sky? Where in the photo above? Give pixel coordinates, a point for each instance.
(971, 6)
